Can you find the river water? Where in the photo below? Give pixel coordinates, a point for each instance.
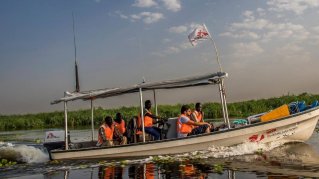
(251, 160)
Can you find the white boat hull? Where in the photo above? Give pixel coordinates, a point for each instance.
(298, 127)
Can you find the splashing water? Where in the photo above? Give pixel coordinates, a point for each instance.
(224, 152)
(241, 149)
(22, 153)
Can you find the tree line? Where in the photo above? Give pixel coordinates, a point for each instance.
(82, 118)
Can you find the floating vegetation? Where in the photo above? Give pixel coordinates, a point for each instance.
(54, 162)
(37, 141)
(6, 163)
(123, 163)
(163, 159)
(259, 151)
(218, 168)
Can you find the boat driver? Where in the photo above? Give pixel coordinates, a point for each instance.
(186, 127)
(149, 120)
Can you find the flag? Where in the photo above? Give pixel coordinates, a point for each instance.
(199, 33)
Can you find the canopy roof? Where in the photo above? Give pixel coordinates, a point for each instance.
(208, 79)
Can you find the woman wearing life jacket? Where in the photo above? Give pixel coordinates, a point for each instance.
(105, 134)
(186, 127)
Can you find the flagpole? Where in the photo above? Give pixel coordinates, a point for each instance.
(221, 85)
(216, 51)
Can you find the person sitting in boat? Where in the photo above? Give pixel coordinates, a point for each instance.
(119, 130)
(149, 120)
(120, 123)
(186, 127)
(197, 115)
(105, 134)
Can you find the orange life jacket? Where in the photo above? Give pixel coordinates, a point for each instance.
(188, 170)
(183, 127)
(108, 131)
(199, 116)
(149, 173)
(121, 126)
(148, 121)
(109, 172)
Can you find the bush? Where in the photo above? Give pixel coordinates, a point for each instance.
(81, 118)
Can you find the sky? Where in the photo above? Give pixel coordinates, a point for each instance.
(268, 48)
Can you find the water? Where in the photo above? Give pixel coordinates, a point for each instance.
(275, 160)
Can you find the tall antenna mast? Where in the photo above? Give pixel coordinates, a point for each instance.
(77, 83)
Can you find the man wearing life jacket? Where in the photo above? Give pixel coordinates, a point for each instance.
(105, 134)
(186, 127)
(120, 123)
(149, 120)
(198, 114)
(120, 130)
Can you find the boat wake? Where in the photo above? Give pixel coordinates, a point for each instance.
(226, 152)
(22, 153)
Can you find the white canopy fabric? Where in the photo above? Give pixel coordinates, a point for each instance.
(208, 79)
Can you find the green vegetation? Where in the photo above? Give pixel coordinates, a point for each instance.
(6, 163)
(80, 118)
(218, 168)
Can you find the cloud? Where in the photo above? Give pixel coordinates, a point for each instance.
(285, 31)
(122, 15)
(242, 34)
(173, 49)
(259, 28)
(181, 29)
(316, 29)
(166, 40)
(315, 35)
(296, 6)
(146, 17)
(247, 49)
(292, 53)
(172, 5)
(144, 3)
(261, 12)
(178, 29)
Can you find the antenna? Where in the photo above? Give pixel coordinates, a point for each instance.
(77, 83)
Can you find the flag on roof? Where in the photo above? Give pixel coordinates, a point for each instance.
(199, 33)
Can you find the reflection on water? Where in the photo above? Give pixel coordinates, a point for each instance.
(294, 160)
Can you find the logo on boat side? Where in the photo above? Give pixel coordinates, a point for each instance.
(257, 138)
(278, 134)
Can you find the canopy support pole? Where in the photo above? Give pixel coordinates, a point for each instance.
(92, 119)
(66, 125)
(223, 102)
(142, 113)
(155, 102)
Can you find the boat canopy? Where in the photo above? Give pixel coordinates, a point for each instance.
(207, 79)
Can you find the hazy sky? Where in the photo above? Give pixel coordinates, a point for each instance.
(269, 48)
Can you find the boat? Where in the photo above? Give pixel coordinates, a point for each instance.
(295, 127)
(292, 123)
